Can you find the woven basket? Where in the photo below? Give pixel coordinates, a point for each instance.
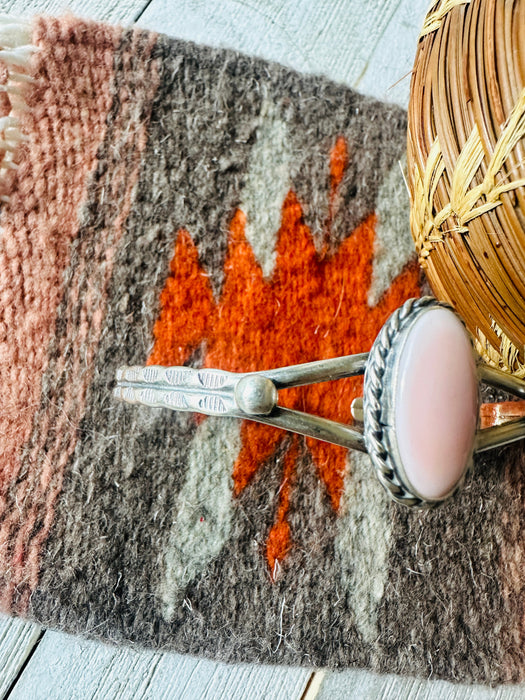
(466, 165)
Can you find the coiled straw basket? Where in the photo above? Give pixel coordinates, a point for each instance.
(466, 168)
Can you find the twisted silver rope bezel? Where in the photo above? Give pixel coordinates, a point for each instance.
(373, 400)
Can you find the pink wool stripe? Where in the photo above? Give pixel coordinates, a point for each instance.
(65, 123)
(130, 132)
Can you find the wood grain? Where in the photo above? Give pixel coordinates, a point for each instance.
(368, 44)
(120, 12)
(17, 640)
(67, 667)
(362, 685)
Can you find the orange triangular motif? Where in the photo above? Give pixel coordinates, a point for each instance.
(314, 306)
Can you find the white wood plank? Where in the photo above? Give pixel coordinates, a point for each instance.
(17, 640)
(369, 44)
(118, 11)
(67, 667)
(388, 70)
(362, 685)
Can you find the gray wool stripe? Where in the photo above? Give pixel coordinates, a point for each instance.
(267, 184)
(394, 247)
(203, 516)
(362, 544)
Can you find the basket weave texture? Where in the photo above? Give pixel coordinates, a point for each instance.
(466, 168)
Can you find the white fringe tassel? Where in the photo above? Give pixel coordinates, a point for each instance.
(15, 55)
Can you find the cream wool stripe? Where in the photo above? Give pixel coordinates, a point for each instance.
(394, 247)
(202, 522)
(267, 184)
(362, 543)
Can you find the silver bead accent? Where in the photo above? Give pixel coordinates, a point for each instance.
(256, 395)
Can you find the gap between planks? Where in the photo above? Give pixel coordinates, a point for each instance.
(313, 686)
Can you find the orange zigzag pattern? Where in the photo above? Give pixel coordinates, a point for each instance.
(314, 306)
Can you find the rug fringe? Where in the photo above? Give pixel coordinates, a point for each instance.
(15, 56)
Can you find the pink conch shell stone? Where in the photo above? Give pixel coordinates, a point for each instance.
(436, 403)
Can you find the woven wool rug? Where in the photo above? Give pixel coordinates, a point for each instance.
(175, 204)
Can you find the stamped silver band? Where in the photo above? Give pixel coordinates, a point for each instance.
(254, 396)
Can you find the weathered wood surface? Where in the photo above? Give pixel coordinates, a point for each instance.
(117, 11)
(17, 640)
(362, 685)
(369, 45)
(67, 667)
